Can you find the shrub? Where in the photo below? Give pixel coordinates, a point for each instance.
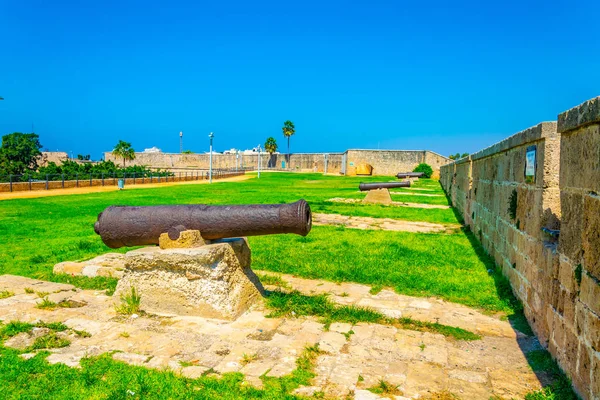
(424, 168)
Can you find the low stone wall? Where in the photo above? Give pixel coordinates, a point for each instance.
(110, 181)
(384, 162)
(514, 216)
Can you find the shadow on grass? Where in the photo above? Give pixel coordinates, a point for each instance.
(555, 383)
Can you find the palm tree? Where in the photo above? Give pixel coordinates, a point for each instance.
(124, 150)
(271, 147)
(288, 130)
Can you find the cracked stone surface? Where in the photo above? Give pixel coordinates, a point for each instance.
(386, 224)
(418, 363)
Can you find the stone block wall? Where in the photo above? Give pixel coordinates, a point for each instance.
(576, 300)
(384, 162)
(557, 280)
(175, 161)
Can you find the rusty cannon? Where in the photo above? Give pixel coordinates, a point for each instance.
(402, 175)
(382, 185)
(120, 226)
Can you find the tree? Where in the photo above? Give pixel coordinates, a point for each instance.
(19, 153)
(187, 152)
(425, 169)
(288, 130)
(271, 145)
(83, 158)
(463, 155)
(125, 151)
(458, 156)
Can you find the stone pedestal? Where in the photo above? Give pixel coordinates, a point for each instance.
(212, 281)
(379, 196)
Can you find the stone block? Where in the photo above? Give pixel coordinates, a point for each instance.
(595, 377)
(591, 235)
(109, 265)
(566, 275)
(379, 196)
(570, 242)
(212, 281)
(590, 293)
(591, 328)
(581, 371)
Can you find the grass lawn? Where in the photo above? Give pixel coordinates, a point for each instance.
(38, 233)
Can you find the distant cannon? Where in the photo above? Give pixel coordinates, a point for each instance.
(137, 226)
(402, 175)
(382, 185)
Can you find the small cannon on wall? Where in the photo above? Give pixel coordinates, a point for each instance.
(404, 175)
(187, 274)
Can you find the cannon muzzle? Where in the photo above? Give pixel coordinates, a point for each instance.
(121, 226)
(382, 185)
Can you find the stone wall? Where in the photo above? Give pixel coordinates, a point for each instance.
(384, 162)
(557, 280)
(56, 157)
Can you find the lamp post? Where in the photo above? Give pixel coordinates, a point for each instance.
(181, 142)
(259, 149)
(210, 159)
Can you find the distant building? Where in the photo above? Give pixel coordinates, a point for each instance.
(153, 150)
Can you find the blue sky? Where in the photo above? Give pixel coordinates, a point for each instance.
(445, 76)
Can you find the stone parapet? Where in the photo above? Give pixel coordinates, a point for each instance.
(516, 219)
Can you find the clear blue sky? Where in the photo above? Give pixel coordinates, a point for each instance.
(445, 76)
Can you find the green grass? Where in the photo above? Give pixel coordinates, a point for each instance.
(41, 232)
(298, 304)
(560, 388)
(104, 378)
(433, 215)
(386, 389)
(441, 265)
(4, 294)
(130, 303)
(421, 199)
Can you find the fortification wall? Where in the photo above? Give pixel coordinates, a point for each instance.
(56, 157)
(384, 162)
(175, 161)
(514, 216)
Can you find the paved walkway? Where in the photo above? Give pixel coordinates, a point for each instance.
(354, 358)
(387, 224)
(394, 203)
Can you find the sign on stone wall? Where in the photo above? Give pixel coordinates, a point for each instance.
(530, 158)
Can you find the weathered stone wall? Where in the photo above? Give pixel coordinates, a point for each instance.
(56, 157)
(175, 161)
(576, 293)
(384, 162)
(557, 280)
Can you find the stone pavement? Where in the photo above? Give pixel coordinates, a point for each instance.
(393, 203)
(387, 224)
(354, 358)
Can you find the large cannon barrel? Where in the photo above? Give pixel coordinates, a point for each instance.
(136, 226)
(401, 175)
(382, 185)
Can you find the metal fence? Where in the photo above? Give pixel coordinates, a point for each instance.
(15, 183)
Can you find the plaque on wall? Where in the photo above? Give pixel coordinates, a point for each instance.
(530, 159)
